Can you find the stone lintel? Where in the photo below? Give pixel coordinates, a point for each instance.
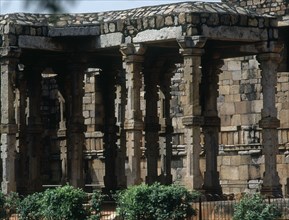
(39, 43)
(235, 33)
(213, 121)
(133, 125)
(269, 122)
(192, 41)
(152, 127)
(152, 35)
(9, 128)
(74, 31)
(193, 121)
(109, 40)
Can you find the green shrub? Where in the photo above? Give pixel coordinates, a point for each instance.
(2, 206)
(96, 201)
(63, 203)
(157, 202)
(12, 202)
(30, 207)
(253, 207)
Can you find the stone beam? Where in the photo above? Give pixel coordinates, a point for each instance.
(236, 33)
(73, 31)
(39, 43)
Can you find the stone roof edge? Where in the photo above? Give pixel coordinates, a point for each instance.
(108, 16)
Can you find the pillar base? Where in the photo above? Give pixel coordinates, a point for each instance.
(110, 183)
(274, 191)
(212, 183)
(166, 179)
(193, 182)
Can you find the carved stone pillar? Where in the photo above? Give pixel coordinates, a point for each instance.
(121, 153)
(132, 60)
(166, 155)
(212, 123)
(191, 49)
(8, 124)
(34, 129)
(152, 126)
(22, 86)
(76, 127)
(110, 130)
(269, 123)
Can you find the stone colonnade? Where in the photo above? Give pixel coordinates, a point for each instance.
(201, 70)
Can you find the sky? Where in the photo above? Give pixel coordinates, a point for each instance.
(12, 6)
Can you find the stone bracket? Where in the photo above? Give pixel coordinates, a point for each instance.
(133, 125)
(192, 42)
(193, 120)
(9, 128)
(269, 122)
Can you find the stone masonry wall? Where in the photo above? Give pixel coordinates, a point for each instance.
(272, 7)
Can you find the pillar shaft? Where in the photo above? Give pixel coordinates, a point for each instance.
(133, 59)
(269, 123)
(152, 126)
(75, 130)
(34, 130)
(166, 156)
(8, 124)
(211, 128)
(192, 51)
(110, 130)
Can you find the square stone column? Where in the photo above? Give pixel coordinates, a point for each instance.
(132, 61)
(152, 126)
(212, 123)
(9, 65)
(34, 128)
(75, 125)
(269, 123)
(191, 49)
(110, 129)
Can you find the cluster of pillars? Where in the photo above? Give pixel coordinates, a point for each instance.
(201, 72)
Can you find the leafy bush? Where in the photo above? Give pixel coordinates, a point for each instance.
(30, 207)
(96, 201)
(157, 202)
(253, 207)
(2, 206)
(12, 202)
(63, 203)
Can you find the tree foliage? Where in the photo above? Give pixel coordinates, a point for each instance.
(157, 202)
(253, 207)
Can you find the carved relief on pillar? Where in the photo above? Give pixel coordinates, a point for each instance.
(212, 123)
(133, 57)
(34, 128)
(110, 128)
(152, 126)
(269, 62)
(166, 146)
(75, 123)
(192, 51)
(9, 65)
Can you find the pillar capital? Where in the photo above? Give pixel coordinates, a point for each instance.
(273, 57)
(269, 47)
(192, 42)
(132, 49)
(193, 120)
